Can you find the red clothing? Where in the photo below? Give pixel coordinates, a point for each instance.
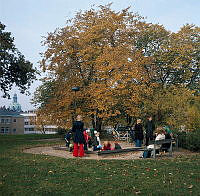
(78, 150)
(86, 136)
(107, 147)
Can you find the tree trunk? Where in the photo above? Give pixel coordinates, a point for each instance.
(159, 116)
(93, 121)
(98, 124)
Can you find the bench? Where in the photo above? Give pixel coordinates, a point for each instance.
(162, 148)
(106, 152)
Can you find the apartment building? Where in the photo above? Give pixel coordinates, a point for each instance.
(30, 119)
(14, 121)
(11, 122)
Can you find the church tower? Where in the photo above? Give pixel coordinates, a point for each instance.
(15, 106)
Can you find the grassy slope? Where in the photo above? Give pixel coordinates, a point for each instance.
(27, 174)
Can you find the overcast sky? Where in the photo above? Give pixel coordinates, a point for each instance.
(29, 20)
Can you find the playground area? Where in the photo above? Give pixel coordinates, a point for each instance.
(62, 151)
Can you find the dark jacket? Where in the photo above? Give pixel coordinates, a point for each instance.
(68, 135)
(95, 141)
(138, 132)
(77, 129)
(149, 127)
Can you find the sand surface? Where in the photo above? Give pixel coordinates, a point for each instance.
(62, 151)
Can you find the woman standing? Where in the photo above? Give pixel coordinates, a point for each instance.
(139, 136)
(78, 138)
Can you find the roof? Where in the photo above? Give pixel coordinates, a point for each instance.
(7, 112)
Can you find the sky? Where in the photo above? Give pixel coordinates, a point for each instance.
(31, 20)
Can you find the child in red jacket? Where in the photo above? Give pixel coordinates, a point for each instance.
(106, 145)
(87, 137)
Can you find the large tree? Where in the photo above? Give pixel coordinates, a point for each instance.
(14, 68)
(175, 70)
(95, 52)
(123, 66)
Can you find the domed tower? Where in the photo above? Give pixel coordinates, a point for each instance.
(15, 105)
(15, 98)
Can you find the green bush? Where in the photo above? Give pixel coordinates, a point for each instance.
(190, 140)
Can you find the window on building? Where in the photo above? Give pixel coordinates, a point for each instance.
(7, 120)
(14, 120)
(2, 129)
(14, 130)
(2, 120)
(26, 123)
(5, 130)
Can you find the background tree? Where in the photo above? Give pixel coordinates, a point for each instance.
(123, 66)
(14, 69)
(95, 52)
(173, 72)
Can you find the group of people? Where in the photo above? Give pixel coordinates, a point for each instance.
(151, 133)
(138, 136)
(137, 132)
(84, 138)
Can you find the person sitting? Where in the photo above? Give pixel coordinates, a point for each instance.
(117, 146)
(160, 135)
(168, 131)
(96, 141)
(106, 145)
(168, 135)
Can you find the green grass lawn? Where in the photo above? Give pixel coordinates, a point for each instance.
(27, 174)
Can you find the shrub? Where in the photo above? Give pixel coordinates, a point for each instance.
(190, 140)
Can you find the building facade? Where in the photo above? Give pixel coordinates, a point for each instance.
(14, 121)
(30, 121)
(11, 122)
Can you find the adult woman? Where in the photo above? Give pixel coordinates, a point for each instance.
(78, 138)
(160, 135)
(139, 136)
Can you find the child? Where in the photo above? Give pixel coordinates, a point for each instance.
(87, 137)
(96, 141)
(68, 136)
(106, 146)
(117, 146)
